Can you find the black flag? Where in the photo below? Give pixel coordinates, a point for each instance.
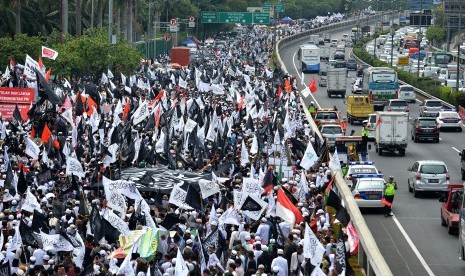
(194, 199)
(340, 260)
(343, 216)
(17, 115)
(333, 200)
(251, 204)
(22, 184)
(169, 221)
(5, 268)
(78, 106)
(39, 222)
(47, 89)
(26, 234)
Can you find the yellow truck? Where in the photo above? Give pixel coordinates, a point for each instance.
(358, 108)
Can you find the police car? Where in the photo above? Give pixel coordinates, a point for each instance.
(368, 190)
(359, 167)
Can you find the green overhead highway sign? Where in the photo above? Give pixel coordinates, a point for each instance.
(261, 18)
(209, 17)
(235, 17)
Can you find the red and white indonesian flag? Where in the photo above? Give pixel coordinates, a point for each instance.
(286, 210)
(49, 53)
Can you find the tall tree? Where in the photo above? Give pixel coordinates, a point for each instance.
(64, 16)
(78, 18)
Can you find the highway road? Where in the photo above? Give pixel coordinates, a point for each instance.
(413, 242)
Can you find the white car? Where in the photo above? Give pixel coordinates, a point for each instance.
(449, 119)
(407, 93)
(368, 190)
(345, 37)
(334, 42)
(357, 86)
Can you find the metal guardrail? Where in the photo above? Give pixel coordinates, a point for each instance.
(418, 91)
(369, 255)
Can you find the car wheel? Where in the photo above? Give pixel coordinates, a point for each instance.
(409, 187)
(416, 194)
(460, 129)
(402, 152)
(450, 229)
(463, 174)
(380, 151)
(412, 137)
(415, 139)
(436, 140)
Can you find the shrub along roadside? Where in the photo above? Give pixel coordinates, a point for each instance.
(432, 87)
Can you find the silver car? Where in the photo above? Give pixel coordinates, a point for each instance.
(397, 105)
(430, 108)
(427, 176)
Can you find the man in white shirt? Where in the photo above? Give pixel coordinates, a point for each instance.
(285, 228)
(263, 231)
(297, 259)
(244, 233)
(281, 263)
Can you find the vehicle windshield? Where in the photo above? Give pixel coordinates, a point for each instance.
(370, 184)
(433, 103)
(360, 170)
(407, 88)
(326, 115)
(427, 123)
(331, 130)
(372, 119)
(433, 169)
(398, 103)
(384, 77)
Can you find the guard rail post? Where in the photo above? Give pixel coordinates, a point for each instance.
(370, 258)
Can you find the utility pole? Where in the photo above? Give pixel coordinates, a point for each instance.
(459, 41)
(110, 19)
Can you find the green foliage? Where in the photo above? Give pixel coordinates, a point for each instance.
(89, 54)
(436, 33)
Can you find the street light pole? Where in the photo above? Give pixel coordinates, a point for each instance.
(459, 41)
(392, 42)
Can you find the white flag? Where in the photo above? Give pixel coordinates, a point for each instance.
(126, 188)
(254, 147)
(141, 113)
(79, 252)
(126, 267)
(335, 164)
(49, 53)
(115, 199)
(208, 188)
(123, 79)
(68, 116)
(178, 198)
(317, 272)
(104, 78)
(110, 74)
(309, 158)
(30, 203)
(181, 267)
(32, 149)
(182, 83)
(74, 167)
(16, 242)
(160, 145)
(313, 249)
(117, 223)
(244, 155)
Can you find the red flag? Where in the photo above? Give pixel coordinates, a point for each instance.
(45, 134)
(280, 91)
(90, 103)
(385, 202)
(47, 75)
(41, 65)
(159, 96)
(378, 121)
(33, 133)
(287, 86)
(241, 102)
(286, 210)
(126, 109)
(157, 115)
(313, 88)
(267, 183)
(12, 63)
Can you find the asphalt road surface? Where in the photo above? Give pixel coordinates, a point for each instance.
(413, 242)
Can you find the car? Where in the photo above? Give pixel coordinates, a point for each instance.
(371, 126)
(357, 86)
(332, 63)
(397, 105)
(341, 47)
(427, 176)
(430, 108)
(360, 69)
(449, 120)
(323, 78)
(330, 132)
(407, 93)
(359, 167)
(334, 42)
(425, 128)
(339, 55)
(345, 37)
(368, 190)
(351, 64)
(349, 43)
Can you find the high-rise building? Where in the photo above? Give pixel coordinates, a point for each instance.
(454, 10)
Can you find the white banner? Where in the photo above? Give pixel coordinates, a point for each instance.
(182, 83)
(74, 167)
(115, 200)
(79, 252)
(181, 268)
(29, 66)
(63, 245)
(126, 188)
(49, 241)
(208, 188)
(49, 53)
(16, 242)
(251, 186)
(255, 215)
(32, 149)
(190, 125)
(310, 157)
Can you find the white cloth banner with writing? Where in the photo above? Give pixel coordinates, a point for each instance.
(117, 223)
(30, 203)
(74, 167)
(313, 249)
(126, 188)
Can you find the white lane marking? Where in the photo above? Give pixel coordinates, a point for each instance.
(414, 248)
(456, 149)
(300, 77)
(440, 138)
